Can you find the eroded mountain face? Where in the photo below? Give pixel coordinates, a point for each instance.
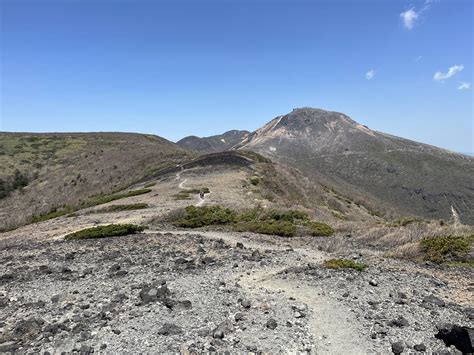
(214, 144)
(398, 174)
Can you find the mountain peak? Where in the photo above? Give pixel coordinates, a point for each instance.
(214, 144)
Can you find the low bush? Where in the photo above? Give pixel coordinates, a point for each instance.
(344, 264)
(53, 213)
(404, 221)
(254, 180)
(257, 220)
(150, 184)
(441, 249)
(101, 199)
(119, 208)
(111, 230)
(206, 216)
(318, 229)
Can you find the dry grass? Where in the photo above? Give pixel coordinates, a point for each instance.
(404, 241)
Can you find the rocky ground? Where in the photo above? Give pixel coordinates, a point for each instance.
(171, 291)
(215, 291)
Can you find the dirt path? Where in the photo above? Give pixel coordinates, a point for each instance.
(332, 326)
(200, 200)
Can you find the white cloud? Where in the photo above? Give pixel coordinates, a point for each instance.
(439, 76)
(464, 86)
(409, 17)
(370, 74)
(418, 58)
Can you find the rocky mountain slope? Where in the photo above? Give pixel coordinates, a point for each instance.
(213, 144)
(40, 172)
(212, 289)
(388, 173)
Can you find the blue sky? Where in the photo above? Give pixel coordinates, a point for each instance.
(176, 68)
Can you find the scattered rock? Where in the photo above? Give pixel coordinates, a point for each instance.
(28, 328)
(432, 299)
(420, 347)
(461, 337)
(154, 293)
(246, 304)
(170, 329)
(400, 322)
(272, 324)
(398, 347)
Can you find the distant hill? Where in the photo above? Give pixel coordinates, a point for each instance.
(391, 174)
(39, 172)
(213, 144)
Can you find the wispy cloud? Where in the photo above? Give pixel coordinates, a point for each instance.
(464, 86)
(409, 17)
(418, 58)
(439, 76)
(370, 74)
(412, 15)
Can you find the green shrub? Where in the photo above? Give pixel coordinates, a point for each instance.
(256, 220)
(53, 213)
(446, 248)
(183, 195)
(206, 216)
(254, 180)
(291, 216)
(111, 230)
(150, 184)
(344, 264)
(318, 229)
(404, 221)
(101, 199)
(468, 263)
(119, 208)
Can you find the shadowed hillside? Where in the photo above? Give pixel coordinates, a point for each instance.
(213, 144)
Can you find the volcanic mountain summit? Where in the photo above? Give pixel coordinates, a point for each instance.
(397, 174)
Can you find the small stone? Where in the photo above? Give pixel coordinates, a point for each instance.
(397, 347)
(373, 283)
(420, 347)
(170, 329)
(400, 322)
(114, 267)
(299, 315)
(238, 316)
(272, 324)
(246, 304)
(218, 334)
(432, 299)
(8, 347)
